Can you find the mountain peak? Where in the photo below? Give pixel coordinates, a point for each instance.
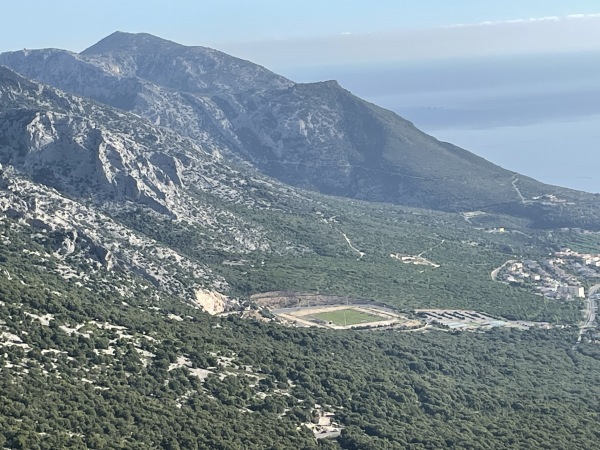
(120, 40)
(179, 67)
(331, 83)
(312, 135)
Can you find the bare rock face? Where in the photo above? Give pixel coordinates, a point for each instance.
(178, 67)
(53, 144)
(212, 302)
(69, 243)
(103, 254)
(172, 85)
(80, 157)
(90, 151)
(85, 235)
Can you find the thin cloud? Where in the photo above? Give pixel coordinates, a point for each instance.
(576, 32)
(582, 16)
(511, 21)
(528, 20)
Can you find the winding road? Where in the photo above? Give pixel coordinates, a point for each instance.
(494, 273)
(361, 254)
(518, 191)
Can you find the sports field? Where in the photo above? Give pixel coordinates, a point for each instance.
(347, 317)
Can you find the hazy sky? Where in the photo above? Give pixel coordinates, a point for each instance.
(549, 34)
(76, 24)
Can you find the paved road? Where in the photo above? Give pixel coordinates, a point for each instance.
(517, 190)
(494, 273)
(591, 306)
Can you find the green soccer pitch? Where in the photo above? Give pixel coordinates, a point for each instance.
(347, 317)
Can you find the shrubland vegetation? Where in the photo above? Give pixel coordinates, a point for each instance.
(98, 388)
(308, 253)
(578, 241)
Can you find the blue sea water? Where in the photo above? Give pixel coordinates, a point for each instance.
(538, 115)
(564, 153)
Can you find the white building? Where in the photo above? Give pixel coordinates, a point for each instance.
(574, 291)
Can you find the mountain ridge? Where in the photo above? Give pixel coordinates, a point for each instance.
(149, 57)
(315, 136)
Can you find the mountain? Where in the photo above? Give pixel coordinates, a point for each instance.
(316, 136)
(118, 235)
(142, 199)
(125, 191)
(168, 83)
(197, 70)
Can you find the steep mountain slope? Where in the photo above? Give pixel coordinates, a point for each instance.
(320, 136)
(170, 84)
(317, 136)
(69, 164)
(327, 139)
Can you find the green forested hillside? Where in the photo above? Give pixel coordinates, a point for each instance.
(310, 254)
(102, 372)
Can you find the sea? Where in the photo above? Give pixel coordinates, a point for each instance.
(538, 115)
